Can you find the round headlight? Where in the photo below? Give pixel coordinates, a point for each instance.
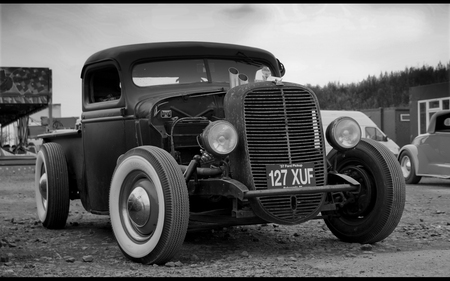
(219, 138)
(343, 133)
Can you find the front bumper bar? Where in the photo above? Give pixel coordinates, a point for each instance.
(234, 189)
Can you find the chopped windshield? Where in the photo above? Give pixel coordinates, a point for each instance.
(196, 70)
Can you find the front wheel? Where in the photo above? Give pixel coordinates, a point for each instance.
(408, 168)
(148, 205)
(373, 212)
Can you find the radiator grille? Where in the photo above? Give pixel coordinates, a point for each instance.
(282, 127)
(281, 206)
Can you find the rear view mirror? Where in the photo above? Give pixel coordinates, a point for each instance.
(281, 67)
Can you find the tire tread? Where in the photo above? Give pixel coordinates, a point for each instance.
(58, 190)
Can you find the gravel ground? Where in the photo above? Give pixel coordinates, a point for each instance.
(420, 245)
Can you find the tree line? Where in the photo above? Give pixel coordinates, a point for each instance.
(386, 90)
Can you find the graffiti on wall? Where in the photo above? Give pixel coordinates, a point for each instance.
(25, 85)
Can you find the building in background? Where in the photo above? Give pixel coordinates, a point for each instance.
(424, 101)
(23, 91)
(393, 121)
(40, 123)
(402, 125)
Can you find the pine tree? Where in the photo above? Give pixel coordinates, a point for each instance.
(387, 90)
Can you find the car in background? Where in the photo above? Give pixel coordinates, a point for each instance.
(429, 154)
(369, 129)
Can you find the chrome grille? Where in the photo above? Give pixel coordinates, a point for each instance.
(281, 206)
(282, 126)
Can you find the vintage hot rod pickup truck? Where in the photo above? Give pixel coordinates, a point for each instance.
(180, 136)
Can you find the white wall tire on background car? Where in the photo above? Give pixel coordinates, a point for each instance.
(148, 205)
(51, 186)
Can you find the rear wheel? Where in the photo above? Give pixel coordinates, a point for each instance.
(52, 186)
(149, 205)
(373, 212)
(408, 168)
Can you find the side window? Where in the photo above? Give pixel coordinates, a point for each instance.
(105, 85)
(443, 124)
(447, 122)
(370, 133)
(374, 133)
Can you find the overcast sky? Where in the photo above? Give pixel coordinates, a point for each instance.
(317, 43)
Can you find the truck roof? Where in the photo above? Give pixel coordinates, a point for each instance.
(127, 54)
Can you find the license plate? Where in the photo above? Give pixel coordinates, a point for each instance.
(290, 175)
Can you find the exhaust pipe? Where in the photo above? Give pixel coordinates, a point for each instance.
(236, 78)
(243, 79)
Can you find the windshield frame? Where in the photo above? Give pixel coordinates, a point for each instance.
(179, 71)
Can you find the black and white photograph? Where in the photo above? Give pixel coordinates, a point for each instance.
(196, 140)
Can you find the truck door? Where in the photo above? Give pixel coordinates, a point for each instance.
(103, 129)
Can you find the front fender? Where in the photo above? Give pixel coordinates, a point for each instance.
(412, 149)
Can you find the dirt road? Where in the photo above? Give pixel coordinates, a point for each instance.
(420, 245)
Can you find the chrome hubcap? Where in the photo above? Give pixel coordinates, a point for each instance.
(138, 206)
(43, 190)
(406, 166)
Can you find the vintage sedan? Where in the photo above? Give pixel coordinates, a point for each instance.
(429, 154)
